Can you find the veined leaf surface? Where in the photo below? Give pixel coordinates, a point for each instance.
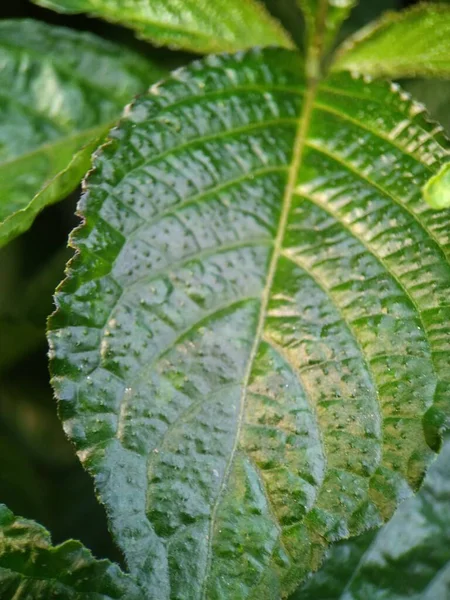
(411, 43)
(31, 568)
(408, 559)
(251, 349)
(197, 25)
(60, 91)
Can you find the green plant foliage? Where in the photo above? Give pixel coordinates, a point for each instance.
(195, 25)
(437, 190)
(365, 12)
(19, 216)
(251, 349)
(60, 91)
(409, 559)
(31, 568)
(415, 42)
(316, 12)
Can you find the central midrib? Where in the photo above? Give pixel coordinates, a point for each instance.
(297, 154)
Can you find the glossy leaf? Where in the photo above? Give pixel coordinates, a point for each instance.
(196, 25)
(19, 217)
(31, 568)
(251, 348)
(323, 21)
(409, 559)
(60, 91)
(414, 42)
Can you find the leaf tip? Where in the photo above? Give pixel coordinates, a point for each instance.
(437, 189)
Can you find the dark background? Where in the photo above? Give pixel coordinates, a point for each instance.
(40, 476)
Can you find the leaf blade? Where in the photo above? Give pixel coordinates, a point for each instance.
(414, 542)
(200, 27)
(30, 565)
(166, 294)
(410, 43)
(60, 91)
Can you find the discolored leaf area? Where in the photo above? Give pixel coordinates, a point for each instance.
(251, 349)
(415, 544)
(31, 568)
(60, 93)
(411, 43)
(196, 25)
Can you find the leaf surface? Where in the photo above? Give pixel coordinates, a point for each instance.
(202, 26)
(31, 568)
(251, 348)
(409, 559)
(60, 92)
(411, 43)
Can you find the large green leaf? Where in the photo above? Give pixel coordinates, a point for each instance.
(32, 569)
(415, 42)
(408, 559)
(60, 91)
(251, 349)
(195, 25)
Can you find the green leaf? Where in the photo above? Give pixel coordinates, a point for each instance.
(411, 43)
(437, 189)
(251, 349)
(60, 91)
(18, 217)
(323, 21)
(408, 559)
(197, 25)
(31, 568)
(289, 15)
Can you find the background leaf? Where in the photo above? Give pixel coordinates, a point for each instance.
(63, 183)
(251, 348)
(323, 21)
(196, 25)
(60, 90)
(414, 42)
(31, 568)
(408, 559)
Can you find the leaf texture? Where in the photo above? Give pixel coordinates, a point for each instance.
(411, 43)
(60, 91)
(32, 569)
(251, 349)
(202, 26)
(408, 559)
